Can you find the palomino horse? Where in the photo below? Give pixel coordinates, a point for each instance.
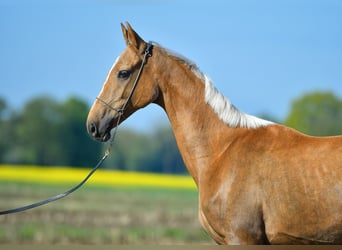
(258, 182)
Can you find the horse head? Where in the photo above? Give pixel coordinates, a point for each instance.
(121, 96)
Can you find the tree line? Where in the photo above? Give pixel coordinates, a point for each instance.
(48, 132)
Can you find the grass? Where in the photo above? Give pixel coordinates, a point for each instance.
(100, 213)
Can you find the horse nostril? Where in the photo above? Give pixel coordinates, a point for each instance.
(92, 129)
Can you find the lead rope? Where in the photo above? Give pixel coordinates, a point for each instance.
(62, 195)
(107, 152)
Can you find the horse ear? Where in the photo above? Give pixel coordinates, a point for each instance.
(124, 33)
(132, 38)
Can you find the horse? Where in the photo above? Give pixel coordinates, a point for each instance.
(258, 182)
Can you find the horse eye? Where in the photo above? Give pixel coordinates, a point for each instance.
(124, 74)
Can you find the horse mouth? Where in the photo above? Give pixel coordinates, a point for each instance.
(106, 136)
(100, 131)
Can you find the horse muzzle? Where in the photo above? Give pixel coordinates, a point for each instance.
(100, 130)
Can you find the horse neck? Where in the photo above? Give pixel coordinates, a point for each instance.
(196, 126)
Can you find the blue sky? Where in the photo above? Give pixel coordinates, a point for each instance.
(260, 54)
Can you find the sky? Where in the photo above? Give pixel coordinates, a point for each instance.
(261, 54)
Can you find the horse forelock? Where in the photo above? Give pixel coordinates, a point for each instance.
(221, 105)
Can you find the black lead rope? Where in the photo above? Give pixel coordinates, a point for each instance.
(56, 197)
(148, 52)
(62, 195)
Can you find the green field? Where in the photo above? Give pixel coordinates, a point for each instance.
(101, 215)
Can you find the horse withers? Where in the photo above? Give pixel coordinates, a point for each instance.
(259, 182)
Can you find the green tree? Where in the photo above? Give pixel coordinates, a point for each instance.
(46, 132)
(131, 151)
(154, 152)
(3, 107)
(167, 158)
(36, 133)
(4, 134)
(317, 113)
(76, 146)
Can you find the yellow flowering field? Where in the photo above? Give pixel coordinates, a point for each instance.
(64, 175)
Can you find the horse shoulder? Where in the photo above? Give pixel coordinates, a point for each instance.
(230, 205)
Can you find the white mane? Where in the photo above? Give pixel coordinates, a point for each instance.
(225, 110)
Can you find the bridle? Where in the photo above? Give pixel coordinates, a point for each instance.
(147, 53)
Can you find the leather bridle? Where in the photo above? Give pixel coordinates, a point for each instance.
(148, 53)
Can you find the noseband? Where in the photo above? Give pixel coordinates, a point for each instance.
(148, 53)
